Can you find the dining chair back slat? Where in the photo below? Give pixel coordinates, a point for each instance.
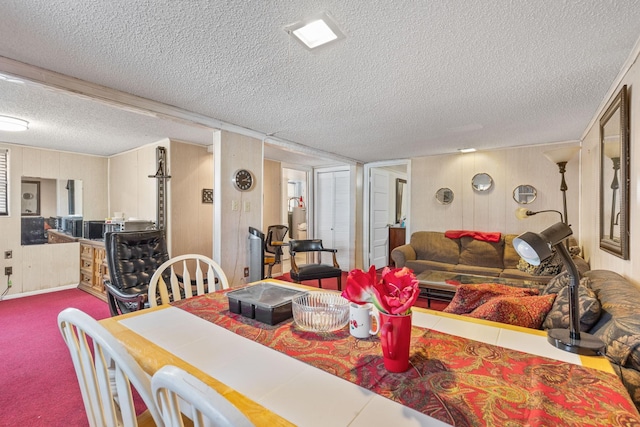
(106, 373)
(202, 404)
(182, 285)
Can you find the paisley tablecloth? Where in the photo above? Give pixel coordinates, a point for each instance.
(459, 381)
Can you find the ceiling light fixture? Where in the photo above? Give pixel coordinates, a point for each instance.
(10, 79)
(467, 150)
(316, 31)
(11, 124)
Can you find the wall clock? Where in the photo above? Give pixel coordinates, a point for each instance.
(243, 180)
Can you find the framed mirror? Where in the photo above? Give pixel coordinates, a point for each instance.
(30, 198)
(444, 196)
(525, 194)
(614, 177)
(46, 203)
(400, 199)
(482, 182)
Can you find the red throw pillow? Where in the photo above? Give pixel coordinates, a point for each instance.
(470, 297)
(528, 311)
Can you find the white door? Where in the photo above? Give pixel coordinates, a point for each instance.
(379, 217)
(333, 213)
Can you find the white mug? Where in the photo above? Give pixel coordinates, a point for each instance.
(360, 320)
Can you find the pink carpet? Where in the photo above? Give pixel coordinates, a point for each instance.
(38, 385)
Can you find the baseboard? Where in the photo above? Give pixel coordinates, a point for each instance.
(40, 291)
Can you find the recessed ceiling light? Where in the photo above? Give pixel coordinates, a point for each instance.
(10, 79)
(466, 150)
(11, 124)
(315, 31)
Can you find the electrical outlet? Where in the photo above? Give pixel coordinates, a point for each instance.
(235, 205)
(246, 272)
(8, 254)
(8, 271)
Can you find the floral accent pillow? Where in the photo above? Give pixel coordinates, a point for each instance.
(527, 311)
(588, 304)
(470, 297)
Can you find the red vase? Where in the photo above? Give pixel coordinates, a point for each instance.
(395, 337)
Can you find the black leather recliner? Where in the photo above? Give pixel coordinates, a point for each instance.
(313, 271)
(132, 258)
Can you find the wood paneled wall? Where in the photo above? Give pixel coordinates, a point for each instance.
(493, 210)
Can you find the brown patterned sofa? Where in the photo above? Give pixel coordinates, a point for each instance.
(609, 310)
(432, 250)
(619, 325)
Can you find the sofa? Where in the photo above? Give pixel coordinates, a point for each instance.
(619, 325)
(473, 252)
(609, 307)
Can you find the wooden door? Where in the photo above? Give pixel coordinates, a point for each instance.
(333, 213)
(379, 217)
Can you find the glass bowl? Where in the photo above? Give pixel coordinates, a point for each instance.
(320, 311)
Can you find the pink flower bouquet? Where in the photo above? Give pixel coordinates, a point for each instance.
(395, 293)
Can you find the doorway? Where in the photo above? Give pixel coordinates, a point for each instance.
(383, 203)
(295, 211)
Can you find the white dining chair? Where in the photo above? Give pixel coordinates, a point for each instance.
(181, 270)
(177, 392)
(106, 372)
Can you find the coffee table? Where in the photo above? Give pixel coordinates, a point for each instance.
(442, 285)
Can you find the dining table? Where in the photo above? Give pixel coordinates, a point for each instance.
(463, 371)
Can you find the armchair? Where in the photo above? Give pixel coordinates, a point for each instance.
(132, 258)
(273, 246)
(313, 271)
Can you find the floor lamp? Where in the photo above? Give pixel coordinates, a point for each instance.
(534, 248)
(612, 151)
(561, 157)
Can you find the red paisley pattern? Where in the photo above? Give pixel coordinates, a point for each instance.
(459, 381)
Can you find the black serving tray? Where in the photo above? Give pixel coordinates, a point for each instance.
(264, 302)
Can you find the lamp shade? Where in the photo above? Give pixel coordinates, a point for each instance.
(611, 147)
(532, 247)
(561, 155)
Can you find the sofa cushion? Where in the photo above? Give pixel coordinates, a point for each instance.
(619, 324)
(418, 266)
(481, 253)
(525, 311)
(432, 245)
(510, 258)
(477, 270)
(589, 305)
(470, 297)
(623, 343)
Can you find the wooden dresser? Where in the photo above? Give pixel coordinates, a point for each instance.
(55, 236)
(397, 237)
(93, 267)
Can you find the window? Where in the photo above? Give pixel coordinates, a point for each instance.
(4, 181)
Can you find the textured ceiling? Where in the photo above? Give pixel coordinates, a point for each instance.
(410, 79)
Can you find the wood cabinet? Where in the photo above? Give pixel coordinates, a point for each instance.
(55, 236)
(93, 267)
(397, 237)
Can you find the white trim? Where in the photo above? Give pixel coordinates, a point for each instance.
(366, 256)
(41, 291)
(123, 100)
(615, 86)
